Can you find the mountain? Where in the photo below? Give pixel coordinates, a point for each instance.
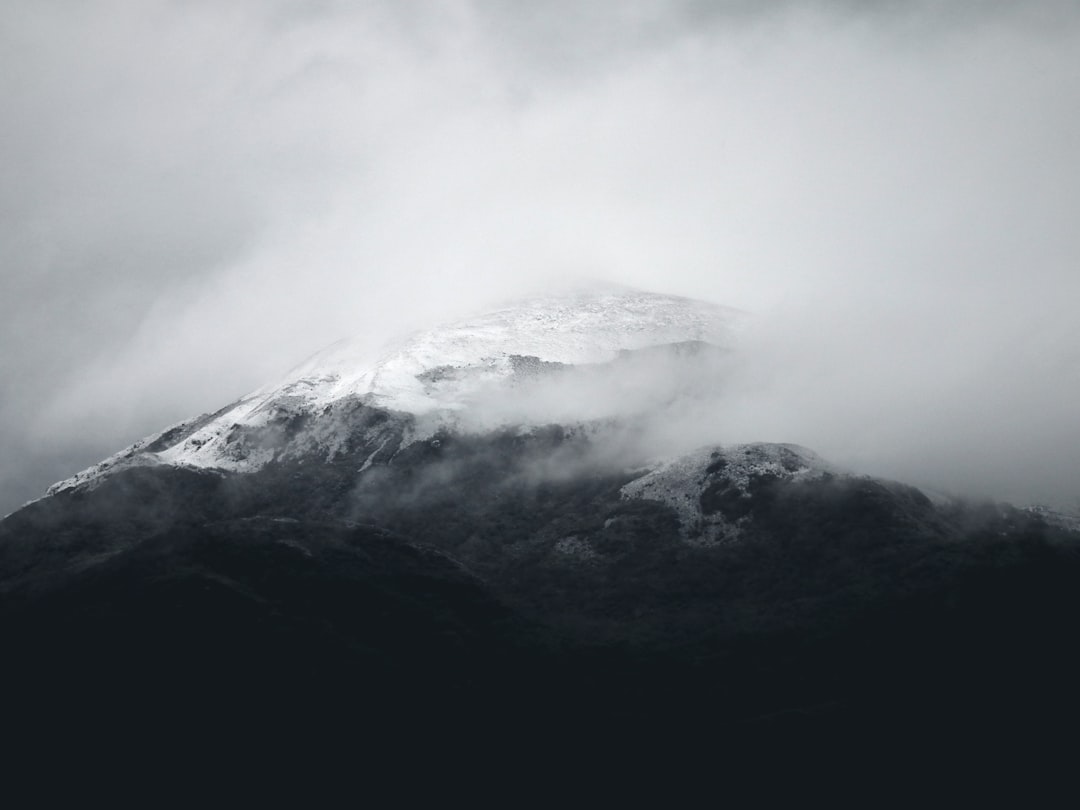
(503, 524)
(582, 356)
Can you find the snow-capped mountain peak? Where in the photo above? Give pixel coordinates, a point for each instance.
(583, 327)
(444, 374)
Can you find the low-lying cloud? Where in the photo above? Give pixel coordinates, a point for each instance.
(989, 415)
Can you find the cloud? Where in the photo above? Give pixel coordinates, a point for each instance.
(194, 197)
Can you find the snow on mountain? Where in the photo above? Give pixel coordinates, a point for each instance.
(574, 329)
(436, 375)
(1053, 517)
(708, 487)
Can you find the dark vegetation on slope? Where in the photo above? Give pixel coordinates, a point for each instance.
(432, 591)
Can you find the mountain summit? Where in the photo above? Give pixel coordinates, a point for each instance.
(582, 355)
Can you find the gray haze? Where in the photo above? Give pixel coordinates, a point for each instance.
(194, 196)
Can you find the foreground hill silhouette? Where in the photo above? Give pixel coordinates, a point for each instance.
(171, 599)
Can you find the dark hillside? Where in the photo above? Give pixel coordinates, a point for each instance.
(503, 582)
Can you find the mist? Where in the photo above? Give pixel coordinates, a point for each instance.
(991, 420)
(194, 198)
(987, 415)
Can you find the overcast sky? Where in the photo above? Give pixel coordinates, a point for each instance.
(196, 195)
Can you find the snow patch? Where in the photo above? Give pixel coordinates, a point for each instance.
(1052, 517)
(575, 548)
(681, 482)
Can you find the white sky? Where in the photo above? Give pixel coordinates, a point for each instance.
(196, 195)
